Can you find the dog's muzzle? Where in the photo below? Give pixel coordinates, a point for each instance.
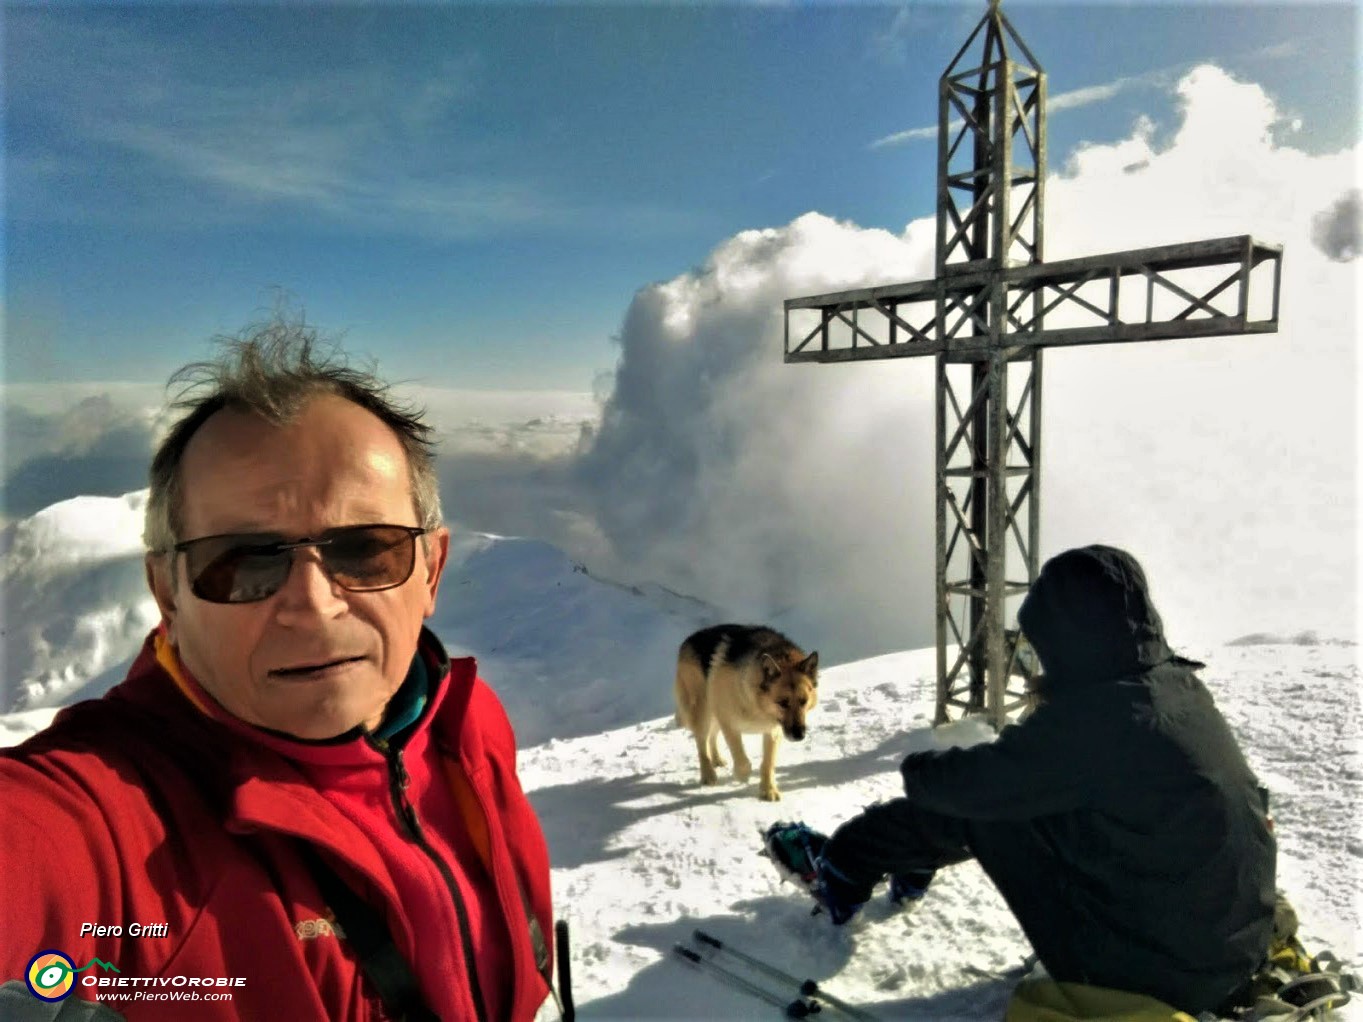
(795, 734)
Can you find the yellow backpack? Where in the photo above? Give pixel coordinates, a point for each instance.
(1291, 986)
(1045, 1000)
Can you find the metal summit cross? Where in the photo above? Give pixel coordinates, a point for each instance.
(993, 306)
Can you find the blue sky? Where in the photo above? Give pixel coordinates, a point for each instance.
(473, 193)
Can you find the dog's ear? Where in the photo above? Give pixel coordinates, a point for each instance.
(810, 665)
(771, 670)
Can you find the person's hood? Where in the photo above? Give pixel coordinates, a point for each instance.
(1089, 617)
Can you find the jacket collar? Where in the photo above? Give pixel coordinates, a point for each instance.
(258, 774)
(444, 682)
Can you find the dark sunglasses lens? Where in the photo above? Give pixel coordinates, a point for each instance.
(371, 557)
(227, 570)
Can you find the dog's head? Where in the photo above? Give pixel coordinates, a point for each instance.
(790, 689)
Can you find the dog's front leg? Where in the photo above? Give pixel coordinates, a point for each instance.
(768, 791)
(742, 765)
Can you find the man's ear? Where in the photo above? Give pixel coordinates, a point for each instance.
(161, 581)
(435, 547)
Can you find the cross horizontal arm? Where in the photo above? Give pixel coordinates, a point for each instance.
(1168, 257)
(1079, 301)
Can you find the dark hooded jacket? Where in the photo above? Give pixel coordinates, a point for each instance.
(1128, 795)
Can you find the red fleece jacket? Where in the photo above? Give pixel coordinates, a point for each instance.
(154, 806)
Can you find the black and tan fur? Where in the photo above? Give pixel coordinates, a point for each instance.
(744, 679)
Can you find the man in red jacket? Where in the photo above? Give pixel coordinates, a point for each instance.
(296, 806)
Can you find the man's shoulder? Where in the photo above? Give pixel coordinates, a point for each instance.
(104, 755)
(88, 748)
(471, 715)
(95, 729)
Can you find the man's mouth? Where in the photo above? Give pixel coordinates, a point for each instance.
(314, 669)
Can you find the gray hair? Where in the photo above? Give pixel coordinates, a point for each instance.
(272, 370)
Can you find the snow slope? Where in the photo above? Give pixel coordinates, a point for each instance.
(642, 854)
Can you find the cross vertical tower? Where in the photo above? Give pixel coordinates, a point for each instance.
(992, 307)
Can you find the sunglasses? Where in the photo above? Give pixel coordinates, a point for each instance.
(246, 568)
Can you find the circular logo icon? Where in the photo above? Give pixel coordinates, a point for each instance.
(51, 976)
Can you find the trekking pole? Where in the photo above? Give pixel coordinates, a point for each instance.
(798, 1008)
(807, 987)
(565, 976)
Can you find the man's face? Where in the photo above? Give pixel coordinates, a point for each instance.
(336, 464)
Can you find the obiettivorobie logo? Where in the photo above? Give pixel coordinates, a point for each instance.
(51, 975)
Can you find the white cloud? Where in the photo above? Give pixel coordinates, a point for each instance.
(64, 440)
(72, 439)
(1226, 465)
(541, 424)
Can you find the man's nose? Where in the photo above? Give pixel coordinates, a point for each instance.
(308, 589)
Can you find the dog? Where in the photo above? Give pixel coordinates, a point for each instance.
(744, 679)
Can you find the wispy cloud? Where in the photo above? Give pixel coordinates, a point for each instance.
(321, 171)
(913, 21)
(390, 148)
(892, 43)
(1076, 98)
(1071, 100)
(1090, 94)
(911, 135)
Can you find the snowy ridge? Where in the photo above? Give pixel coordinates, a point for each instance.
(76, 606)
(569, 654)
(1307, 638)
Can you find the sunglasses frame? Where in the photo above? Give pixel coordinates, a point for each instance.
(288, 546)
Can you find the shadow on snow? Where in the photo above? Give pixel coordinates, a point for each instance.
(778, 931)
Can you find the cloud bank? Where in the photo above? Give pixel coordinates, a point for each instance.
(62, 441)
(806, 492)
(803, 495)
(769, 489)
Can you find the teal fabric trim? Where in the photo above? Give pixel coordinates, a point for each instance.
(407, 702)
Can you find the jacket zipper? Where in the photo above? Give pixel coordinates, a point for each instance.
(398, 781)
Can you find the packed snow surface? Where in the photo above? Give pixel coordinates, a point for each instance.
(642, 854)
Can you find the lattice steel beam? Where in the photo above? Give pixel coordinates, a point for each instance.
(990, 311)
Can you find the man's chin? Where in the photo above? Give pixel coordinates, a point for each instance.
(323, 717)
(314, 731)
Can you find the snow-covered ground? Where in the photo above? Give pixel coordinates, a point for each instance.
(642, 854)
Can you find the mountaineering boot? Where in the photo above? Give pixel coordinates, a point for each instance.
(797, 850)
(794, 847)
(907, 887)
(834, 890)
